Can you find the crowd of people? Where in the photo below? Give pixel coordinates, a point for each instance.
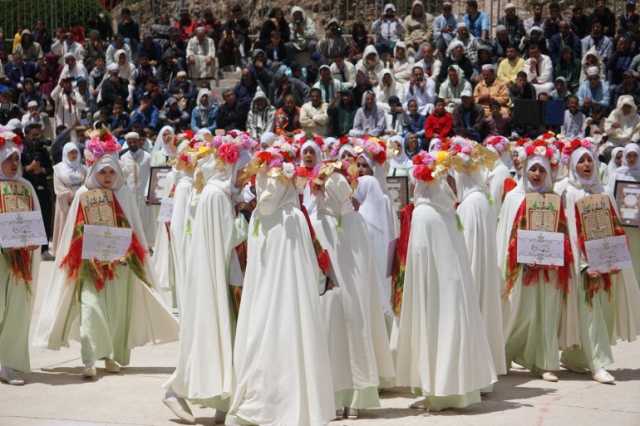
(297, 287)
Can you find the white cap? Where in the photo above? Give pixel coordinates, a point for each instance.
(467, 93)
(462, 25)
(389, 6)
(488, 67)
(509, 6)
(181, 74)
(131, 135)
(112, 68)
(32, 104)
(14, 124)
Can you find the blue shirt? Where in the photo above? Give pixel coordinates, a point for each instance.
(478, 25)
(599, 94)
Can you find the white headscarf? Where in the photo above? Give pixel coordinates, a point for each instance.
(625, 171)
(373, 204)
(401, 159)
(378, 171)
(73, 171)
(591, 185)
(8, 149)
(436, 193)
(107, 160)
(160, 145)
(547, 186)
(347, 148)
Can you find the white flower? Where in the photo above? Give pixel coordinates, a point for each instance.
(288, 170)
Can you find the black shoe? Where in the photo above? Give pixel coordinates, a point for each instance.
(47, 257)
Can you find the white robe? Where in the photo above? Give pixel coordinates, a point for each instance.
(59, 320)
(204, 372)
(442, 345)
(281, 358)
(495, 180)
(479, 228)
(137, 171)
(180, 229)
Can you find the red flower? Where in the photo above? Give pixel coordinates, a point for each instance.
(344, 139)
(183, 158)
(287, 157)
(229, 153)
(264, 157)
(318, 140)
(324, 261)
(302, 172)
(423, 173)
(188, 134)
(380, 157)
(2, 141)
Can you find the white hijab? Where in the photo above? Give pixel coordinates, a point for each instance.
(107, 160)
(373, 204)
(401, 160)
(591, 185)
(547, 186)
(160, 145)
(626, 172)
(71, 172)
(7, 151)
(612, 166)
(436, 193)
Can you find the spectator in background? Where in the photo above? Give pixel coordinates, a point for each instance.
(560, 91)
(501, 42)
(303, 33)
(65, 44)
(510, 66)
(201, 58)
(569, 68)
(468, 118)
(72, 68)
(333, 45)
(490, 89)
(42, 36)
(275, 22)
(418, 23)
(231, 115)
(552, 23)
(456, 56)
(579, 21)
(359, 41)
(620, 61)
(329, 86)
(246, 89)
(623, 124)
(422, 89)
(150, 49)
(120, 121)
(205, 114)
(261, 115)
(439, 124)
(114, 49)
(629, 86)
(341, 111)
(563, 39)
(603, 15)
(514, 26)
(287, 118)
(597, 39)
(497, 123)
(369, 119)
(476, 21)
(388, 30)
(146, 116)
(629, 21)
(32, 116)
(283, 86)
(113, 88)
(129, 29)
(29, 94)
(574, 119)
(238, 27)
(536, 20)
(469, 42)
(8, 110)
(185, 25)
(522, 89)
(30, 50)
(414, 121)
(313, 114)
(451, 89)
(444, 27)
(69, 105)
(172, 115)
(594, 90)
(94, 48)
(539, 70)
(18, 70)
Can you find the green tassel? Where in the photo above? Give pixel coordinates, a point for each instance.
(459, 223)
(256, 227)
(339, 222)
(490, 198)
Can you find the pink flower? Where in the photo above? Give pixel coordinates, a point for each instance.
(229, 153)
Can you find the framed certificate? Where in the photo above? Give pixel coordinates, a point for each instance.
(540, 248)
(157, 184)
(399, 191)
(105, 243)
(607, 254)
(627, 195)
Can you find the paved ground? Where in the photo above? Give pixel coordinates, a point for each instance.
(56, 395)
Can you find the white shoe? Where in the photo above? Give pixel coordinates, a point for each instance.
(419, 405)
(220, 417)
(604, 377)
(352, 413)
(89, 372)
(180, 408)
(9, 376)
(549, 376)
(111, 366)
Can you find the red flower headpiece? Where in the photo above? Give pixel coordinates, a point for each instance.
(539, 147)
(11, 137)
(571, 146)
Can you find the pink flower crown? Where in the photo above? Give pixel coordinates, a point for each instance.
(499, 144)
(429, 166)
(101, 143)
(571, 146)
(375, 148)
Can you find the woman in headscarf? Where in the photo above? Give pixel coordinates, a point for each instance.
(370, 64)
(533, 294)
(614, 162)
(261, 115)
(440, 317)
(343, 233)
(204, 372)
(477, 217)
(370, 119)
(451, 89)
(400, 163)
(592, 59)
(630, 172)
(18, 267)
(418, 23)
(109, 306)
(402, 63)
(602, 305)
(126, 69)
(387, 88)
(281, 360)
(623, 124)
(68, 176)
(164, 148)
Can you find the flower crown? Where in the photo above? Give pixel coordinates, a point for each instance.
(573, 145)
(10, 137)
(276, 161)
(539, 147)
(499, 144)
(375, 148)
(468, 156)
(101, 143)
(349, 169)
(429, 166)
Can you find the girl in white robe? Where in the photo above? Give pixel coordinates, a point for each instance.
(281, 358)
(630, 172)
(615, 161)
(204, 373)
(443, 353)
(68, 176)
(164, 148)
(110, 307)
(499, 177)
(477, 217)
(343, 232)
(531, 305)
(18, 268)
(601, 306)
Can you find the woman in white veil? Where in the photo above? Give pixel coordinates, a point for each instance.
(68, 176)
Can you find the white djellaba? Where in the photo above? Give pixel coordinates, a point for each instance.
(592, 324)
(443, 352)
(281, 358)
(125, 314)
(204, 372)
(68, 176)
(477, 216)
(16, 294)
(500, 172)
(343, 233)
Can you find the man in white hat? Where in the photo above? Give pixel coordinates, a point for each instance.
(201, 58)
(69, 105)
(32, 115)
(136, 167)
(388, 30)
(593, 90)
(73, 68)
(490, 89)
(513, 24)
(469, 42)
